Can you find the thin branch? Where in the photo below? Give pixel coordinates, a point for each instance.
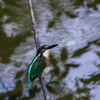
(34, 26)
(37, 42)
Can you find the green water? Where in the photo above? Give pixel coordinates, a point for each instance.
(74, 65)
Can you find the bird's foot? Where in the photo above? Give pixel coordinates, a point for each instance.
(41, 77)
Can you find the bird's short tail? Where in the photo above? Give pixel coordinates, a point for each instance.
(30, 83)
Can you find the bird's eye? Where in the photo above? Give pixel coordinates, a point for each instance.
(46, 47)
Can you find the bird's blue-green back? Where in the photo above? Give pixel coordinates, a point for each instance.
(36, 68)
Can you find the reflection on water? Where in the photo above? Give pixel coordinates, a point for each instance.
(74, 64)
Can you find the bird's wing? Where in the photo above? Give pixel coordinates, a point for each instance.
(37, 68)
(29, 70)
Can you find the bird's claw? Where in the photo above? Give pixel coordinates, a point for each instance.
(41, 77)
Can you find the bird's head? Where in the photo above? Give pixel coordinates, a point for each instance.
(44, 50)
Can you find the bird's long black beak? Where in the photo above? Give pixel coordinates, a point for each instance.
(52, 46)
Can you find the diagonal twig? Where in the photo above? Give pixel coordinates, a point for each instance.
(37, 42)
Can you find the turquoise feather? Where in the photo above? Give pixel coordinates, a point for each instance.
(29, 71)
(36, 68)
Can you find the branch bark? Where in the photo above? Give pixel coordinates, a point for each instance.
(37, 42)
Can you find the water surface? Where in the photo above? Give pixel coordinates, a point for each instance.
(74, 65)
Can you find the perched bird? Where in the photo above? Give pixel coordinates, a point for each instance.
(39, 62)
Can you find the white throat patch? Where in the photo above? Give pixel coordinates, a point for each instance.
(46, 53)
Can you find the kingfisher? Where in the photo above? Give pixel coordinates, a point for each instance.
(39, 62)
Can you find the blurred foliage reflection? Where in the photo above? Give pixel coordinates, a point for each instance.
(74, 73)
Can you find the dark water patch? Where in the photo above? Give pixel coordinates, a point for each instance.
(18, 92)
(10, 14)
(81, 92)
(64, 73)
(70, 14)
(11, 10)
(81, 51)
(54, 4)
(13, 3)
(64, 54)
(85, 49)
(93, 4)
(55, 71)
(98, 53)
(66, 70)
(14, 94)
(51, 24)
(96, 42)
(18, 64)
(53, 60)
(54, 87)
(33, 91)
(98, 66)
(72, 65)
(94, 78)
(59, 14)
(78, 2)
(66, 97)
(19, 74)
(7, 48)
